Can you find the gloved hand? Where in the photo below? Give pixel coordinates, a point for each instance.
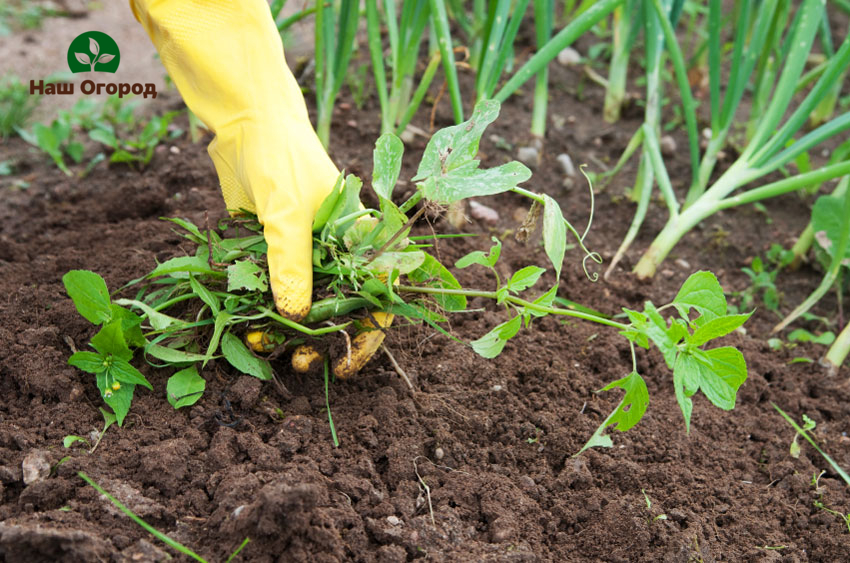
(226, 59)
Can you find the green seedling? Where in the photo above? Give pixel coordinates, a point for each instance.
(808, 424)
(108, 420)
(135, 148)
(802, 432)
(763, 280)
(845, 518)
(20, 15)
(174, 544)
(16, 105)
(191, 310)
(651, 519)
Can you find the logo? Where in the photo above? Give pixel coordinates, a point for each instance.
(93, 51)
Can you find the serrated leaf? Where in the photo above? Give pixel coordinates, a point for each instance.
(627, 413)
(110, 341)
(715, 328)
(238, 355)
(88, 361)
(525, 278)
(185, 388)
(90, 295)
(246, 275)
(387, 164)
(554, 233)
(702, 292)
(83, 58)
(491, 344)
(122, 371)
(478, 257)
(434, 274)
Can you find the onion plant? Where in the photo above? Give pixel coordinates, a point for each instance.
(625, 27)
(772, 144)
(335, 32)
(397, 97)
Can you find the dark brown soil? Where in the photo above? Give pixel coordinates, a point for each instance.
(493, 440)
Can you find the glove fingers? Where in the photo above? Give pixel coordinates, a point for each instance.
(288, 234)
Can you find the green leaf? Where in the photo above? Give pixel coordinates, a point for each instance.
(205, 295)
(718, 373)
(159, 321)
(242, 359)
(387, 164)
(120, 402)
(69, 441)
(826, 223)
(221, 322)
(348, 203)
(88, 361)
(470, 181)
(525, 278)
(122, 371)
(455, 146)
(90, 295)
(104, 136)
(185, 388)
(628, 412)
(663, 336)
(715, 328)
(554, 233)
(478, 257)
(110, 340)
(173, 356)
(434, 274)
(723, 376)
(194, 235)
(803, 335)
(545, 300)
(182, 266)
(491, 344)
(130, 326)
(328, 206)
(246, 275)
(404, 262)
(702, 292)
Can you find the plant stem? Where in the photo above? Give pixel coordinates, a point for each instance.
(838, 351)
(514, 301)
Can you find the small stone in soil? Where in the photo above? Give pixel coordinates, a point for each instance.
(483, 213)
(566, 164)
(569, 56)
(35, 467)
(528, 155)
(439, 454)
(667, 145)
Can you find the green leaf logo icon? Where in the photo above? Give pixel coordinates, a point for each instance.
(93, 51)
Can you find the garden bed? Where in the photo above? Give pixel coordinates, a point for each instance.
(492, 439)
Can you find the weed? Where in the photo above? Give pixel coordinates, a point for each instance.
(359, 259)
(16, 105)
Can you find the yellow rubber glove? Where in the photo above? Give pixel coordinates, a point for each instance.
(226, 59)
